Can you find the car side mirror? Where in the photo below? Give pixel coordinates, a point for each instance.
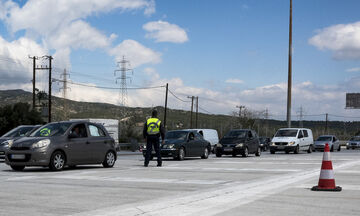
(72, 136)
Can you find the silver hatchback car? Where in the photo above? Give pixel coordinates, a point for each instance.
(58, 144)
(334, 143)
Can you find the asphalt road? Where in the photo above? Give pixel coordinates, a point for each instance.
(268, 185)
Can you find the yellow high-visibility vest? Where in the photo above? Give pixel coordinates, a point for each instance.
(153, 126)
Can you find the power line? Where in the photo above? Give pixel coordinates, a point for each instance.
(173, 94)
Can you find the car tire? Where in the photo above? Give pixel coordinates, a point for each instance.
(309, 150)
(109, 160)
(17, 168)
(258, 152)
(233, 154)
(332, 148)
(246, 152)
(206, 153)
(57, 161)
(272, 152)
(181, 154)
(297, 149)
(218, 154)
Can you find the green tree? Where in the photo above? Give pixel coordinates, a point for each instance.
(20, 113)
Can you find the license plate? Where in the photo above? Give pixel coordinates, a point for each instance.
(228, 149)
(280, 147)
(18, 156)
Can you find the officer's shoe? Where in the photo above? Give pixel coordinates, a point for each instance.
(146, 165)
(159, 165)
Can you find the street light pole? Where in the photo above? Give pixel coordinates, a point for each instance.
(288, 114)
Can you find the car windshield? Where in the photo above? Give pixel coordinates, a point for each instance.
(355, 139)
(176, 135)
(236, 133)
(52, 129)
(286, 133)
(262, 139)
(19, 131)
(324, 138)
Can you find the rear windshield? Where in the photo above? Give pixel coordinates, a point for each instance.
(52, 129)
(286, 133)
(19, 131)
(236, 133)
(324, 139)
(177, 135)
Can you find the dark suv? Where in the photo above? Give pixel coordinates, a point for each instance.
(243, 141)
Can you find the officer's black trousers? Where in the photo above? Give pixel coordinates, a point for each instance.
(153, 141)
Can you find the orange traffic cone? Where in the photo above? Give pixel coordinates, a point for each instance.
(326, 180)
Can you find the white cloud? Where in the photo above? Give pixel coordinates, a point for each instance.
(342, 39)
(163, 31)
(234, 81)
(14, 62)
(356, 69)
(135, 52)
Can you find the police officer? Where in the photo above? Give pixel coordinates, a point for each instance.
(153, 129)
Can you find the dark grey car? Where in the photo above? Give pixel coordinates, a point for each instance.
(58, 144)
(15, 134)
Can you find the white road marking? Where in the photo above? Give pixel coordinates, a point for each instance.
(212, 202)
(230, 169)
(270, 163)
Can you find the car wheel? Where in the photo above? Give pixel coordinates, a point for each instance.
(246, 152)
(339, 149)
(206, 154)
(332, 148)
(258, 152)
(297, 149)
(272, 152)
(109, 160)
(181, 155)
(309, 150)
(57, 161)
(218, 154)
(17, 168)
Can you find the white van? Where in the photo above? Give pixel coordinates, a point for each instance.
(292, 140)
(210, 135)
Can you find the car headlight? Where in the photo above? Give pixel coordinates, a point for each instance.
(169, 146)
(239, 145)
(272, 143)
(347, 143)
(41, 144)
(291, 143)
(218, 145)
(7, 143)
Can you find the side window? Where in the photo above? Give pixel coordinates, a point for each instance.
(300, 135)
(254, 134)
(96, 131)
(198, 136)
(191, 136)
(250, 135)
(305, 133)
(79, 131)
(333, 139)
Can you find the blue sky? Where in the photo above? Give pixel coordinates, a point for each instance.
(231, 51)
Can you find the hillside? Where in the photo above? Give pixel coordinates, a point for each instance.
(132, 118)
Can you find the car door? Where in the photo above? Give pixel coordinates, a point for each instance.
(200, 144)
(302, 143)
(97, 145)
(77, 147)
(190, 145)
(250, 141)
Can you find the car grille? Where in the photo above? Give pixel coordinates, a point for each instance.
(281, 143)
(17, 148)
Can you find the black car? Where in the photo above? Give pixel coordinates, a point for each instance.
(14, 134)
(264, 143)
(184, 143)
(241, 141)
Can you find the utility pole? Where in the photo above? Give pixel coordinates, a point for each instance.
(326, 123)
(192, 107)
(301, 115)
(166, 100)
(34, 79)
(267, 121)
(197, 112)
(50, 83)
(64, 88)
(288, 115)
